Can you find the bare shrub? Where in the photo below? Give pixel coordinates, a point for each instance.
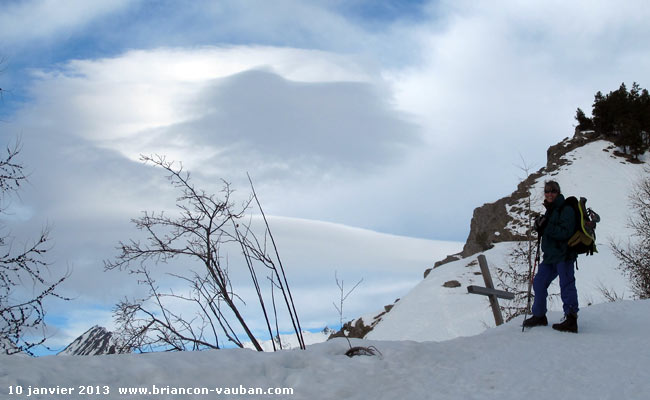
(634, 257)
(196, 235)
(24, 272)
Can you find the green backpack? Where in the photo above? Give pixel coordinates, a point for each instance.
(583, 240)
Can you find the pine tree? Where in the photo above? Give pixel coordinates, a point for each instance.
(584, 123)
(623, 116)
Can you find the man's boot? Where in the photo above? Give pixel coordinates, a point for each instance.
(535, 321)
(570, 324)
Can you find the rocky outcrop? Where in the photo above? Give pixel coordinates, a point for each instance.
(358, 328)
(505, 219)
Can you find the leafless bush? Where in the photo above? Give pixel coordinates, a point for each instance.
(634, 257)
(339, 307)
(515, 277)
(24, 286)
(196, 235)
(609, 294)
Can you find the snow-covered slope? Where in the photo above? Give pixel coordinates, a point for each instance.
(606, 360)
(433, 312)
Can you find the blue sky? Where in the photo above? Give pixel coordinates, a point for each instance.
(394, 116)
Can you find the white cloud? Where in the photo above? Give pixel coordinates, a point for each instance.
(90, 119)
(123, 103)
(502, 78)
(485, 83)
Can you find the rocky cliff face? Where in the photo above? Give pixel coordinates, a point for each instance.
(95, 341)
(507, 219)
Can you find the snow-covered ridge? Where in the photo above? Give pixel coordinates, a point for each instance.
(507, 218)
(431, 311)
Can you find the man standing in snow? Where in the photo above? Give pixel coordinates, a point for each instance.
(555, 227)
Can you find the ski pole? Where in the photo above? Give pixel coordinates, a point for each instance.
(531, 275)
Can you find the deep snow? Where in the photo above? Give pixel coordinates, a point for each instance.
(608, 359)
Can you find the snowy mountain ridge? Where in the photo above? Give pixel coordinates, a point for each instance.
(591, 170)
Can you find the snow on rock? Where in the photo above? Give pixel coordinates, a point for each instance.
(95, 341)
(431, 311)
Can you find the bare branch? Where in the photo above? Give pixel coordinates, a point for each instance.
(195, 234)
(339, 308)
(634, 257)
(24, 286)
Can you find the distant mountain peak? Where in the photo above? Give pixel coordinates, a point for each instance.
(95, 341)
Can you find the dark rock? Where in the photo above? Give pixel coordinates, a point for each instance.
(354, 329)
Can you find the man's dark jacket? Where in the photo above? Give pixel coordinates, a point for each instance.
(560, 226)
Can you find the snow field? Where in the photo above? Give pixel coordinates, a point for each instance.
(608, 359)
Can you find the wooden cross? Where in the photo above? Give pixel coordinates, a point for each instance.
(493, 294)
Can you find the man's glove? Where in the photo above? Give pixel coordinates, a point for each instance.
(540, 224)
